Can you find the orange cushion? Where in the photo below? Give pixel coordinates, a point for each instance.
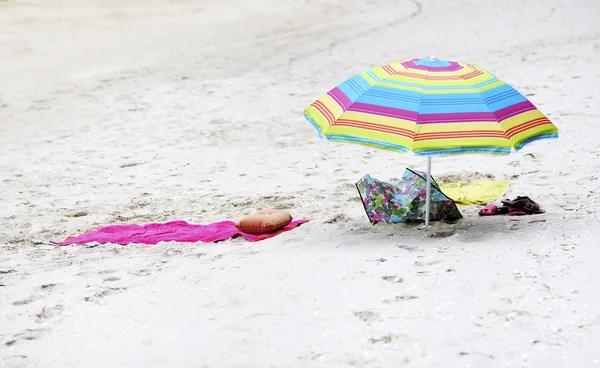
(266, 221)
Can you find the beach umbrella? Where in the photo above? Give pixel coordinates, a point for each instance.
(429, 106)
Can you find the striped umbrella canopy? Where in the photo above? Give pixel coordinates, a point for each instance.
(430, 107)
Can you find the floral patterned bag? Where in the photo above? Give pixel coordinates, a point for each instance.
(405, 201)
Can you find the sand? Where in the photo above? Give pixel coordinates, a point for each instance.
(135, 112)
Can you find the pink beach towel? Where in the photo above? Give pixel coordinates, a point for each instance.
(179, 231)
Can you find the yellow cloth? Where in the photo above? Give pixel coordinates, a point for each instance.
(476, 192)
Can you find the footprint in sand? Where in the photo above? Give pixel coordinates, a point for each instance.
(130, 164)
(25, 301)
(367, 316)
(345, 185)
(463, 177)
(142, 272)
(107, 271)
(354, 198)
(410, 248)
(400, 298)
(386, 339)
(442, 233)
(46, 312)
(393, 278)
(217, 257)
(429, 263)
(45, 288)
(99, 295)
(339, 217)
(49, 312)
(265, 202)
(111, 279)
(27, 334)
(196, 255)
(172, 252)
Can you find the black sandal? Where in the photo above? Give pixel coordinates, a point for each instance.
(525, 204)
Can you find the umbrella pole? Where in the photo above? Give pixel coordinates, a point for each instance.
(428, 191)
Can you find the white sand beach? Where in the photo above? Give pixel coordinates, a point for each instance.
(119, 112)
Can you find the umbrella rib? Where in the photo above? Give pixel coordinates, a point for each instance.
(483, 100)
(388, 69)
(417, 125)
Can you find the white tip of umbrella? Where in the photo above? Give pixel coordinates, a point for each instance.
(432, 58)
